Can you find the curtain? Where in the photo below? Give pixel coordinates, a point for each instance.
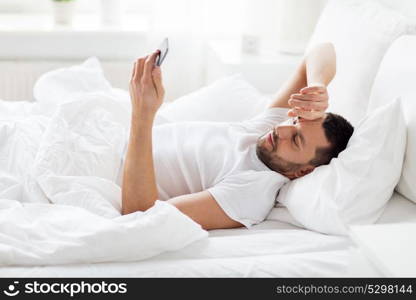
(190, 24)
(280, 25)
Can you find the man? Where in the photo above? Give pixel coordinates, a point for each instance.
(226, 175)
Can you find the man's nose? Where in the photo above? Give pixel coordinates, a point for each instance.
(285, 131)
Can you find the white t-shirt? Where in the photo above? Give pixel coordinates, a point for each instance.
(221, 158)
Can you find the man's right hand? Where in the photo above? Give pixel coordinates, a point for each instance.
(310, 104)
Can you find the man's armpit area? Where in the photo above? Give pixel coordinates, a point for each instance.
(204, 209)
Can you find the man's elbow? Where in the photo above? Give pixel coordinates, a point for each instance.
(125, 211)
(127, 208)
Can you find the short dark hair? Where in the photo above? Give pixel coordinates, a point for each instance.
(338, 132)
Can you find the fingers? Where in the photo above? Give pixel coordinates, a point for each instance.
(308, 105)
(291, 113)
(157, 81)
(134, 70)
(143, 67)
(309, 101)
(308, 115)
(137, 70)
(140, 68)
(309, 97)
(145, 74)
(148, 66)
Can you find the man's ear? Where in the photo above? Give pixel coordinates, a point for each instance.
(302, 171)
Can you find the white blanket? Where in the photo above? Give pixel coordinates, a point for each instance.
(45, 234)
(71, 159)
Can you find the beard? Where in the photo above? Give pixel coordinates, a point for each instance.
(263, 153)
(271, 159)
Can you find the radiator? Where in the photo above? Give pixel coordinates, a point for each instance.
(17, 78)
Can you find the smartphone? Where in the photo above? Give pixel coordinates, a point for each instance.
(163, 48)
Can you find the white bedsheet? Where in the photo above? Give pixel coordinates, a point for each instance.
(270, 249)
(45, 234)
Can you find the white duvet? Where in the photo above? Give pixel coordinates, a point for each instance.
(59, 161)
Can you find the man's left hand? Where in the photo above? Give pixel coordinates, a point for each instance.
(310, 104)
(146, 87)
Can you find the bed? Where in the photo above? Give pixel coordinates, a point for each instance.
(270, 249)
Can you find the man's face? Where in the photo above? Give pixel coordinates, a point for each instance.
(295, 142)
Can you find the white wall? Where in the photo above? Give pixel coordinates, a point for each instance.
(191, 23)
(405, 7)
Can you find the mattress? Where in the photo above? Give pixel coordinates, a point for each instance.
(269, 249)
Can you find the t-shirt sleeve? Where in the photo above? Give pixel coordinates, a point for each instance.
(249, 196)
(266, 120)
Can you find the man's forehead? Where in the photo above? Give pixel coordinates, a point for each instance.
(316, 121)
(314, 132)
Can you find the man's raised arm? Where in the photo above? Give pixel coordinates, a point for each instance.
(139, 190)
(305, 92)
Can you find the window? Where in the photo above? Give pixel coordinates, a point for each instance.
(276, 20)
(85, 6)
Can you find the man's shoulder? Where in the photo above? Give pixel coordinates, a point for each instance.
(255, 177)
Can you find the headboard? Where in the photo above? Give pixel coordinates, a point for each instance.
(397, 72)
(397, 78)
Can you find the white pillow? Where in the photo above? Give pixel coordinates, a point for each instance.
(353, 188)
(398, 210)
(62, 85)
(361, 32)
(396, 77)
(226, 100)
(407, 183)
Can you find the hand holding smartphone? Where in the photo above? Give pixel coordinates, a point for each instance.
(163, 48)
